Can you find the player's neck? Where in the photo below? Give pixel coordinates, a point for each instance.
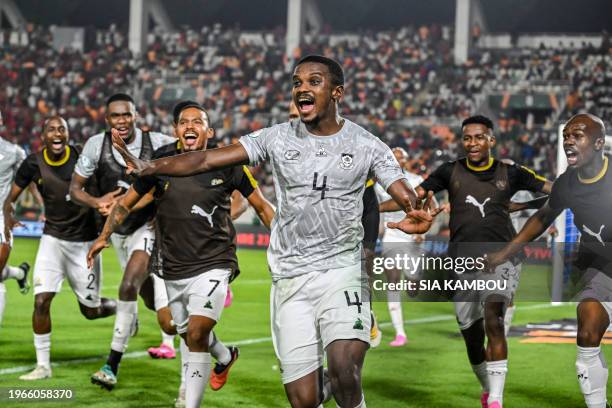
(593, 169)
(483, 164)
(55, 157)
(326, 126)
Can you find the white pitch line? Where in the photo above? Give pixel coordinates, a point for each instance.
(138, 354)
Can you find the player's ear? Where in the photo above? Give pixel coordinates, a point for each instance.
(599, 143)
(210, 133)
(338, 93)
(175, 128)
(492, 140)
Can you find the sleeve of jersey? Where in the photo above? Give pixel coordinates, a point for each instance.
(25, 173)
(143, 185)
(244, 181)
(528, 179)
(159, 139)
(384, 166)
(21, 156)
(557, 195)
(439, 179)
(256, 145)
(88, 160)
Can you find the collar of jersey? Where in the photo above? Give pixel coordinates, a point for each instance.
(477, 168)
(59, 162)
(598, 176)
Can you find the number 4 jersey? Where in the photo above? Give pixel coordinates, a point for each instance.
(319, 183)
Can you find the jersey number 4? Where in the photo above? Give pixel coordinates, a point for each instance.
(355, 303)
(323, 187)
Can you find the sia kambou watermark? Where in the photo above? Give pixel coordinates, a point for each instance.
(444, 285)
(413, 266)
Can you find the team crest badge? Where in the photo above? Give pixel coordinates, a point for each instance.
(216, 182)
(346, 161)
(358, 325)
(208, 305)
(501, 184)
(292, 155)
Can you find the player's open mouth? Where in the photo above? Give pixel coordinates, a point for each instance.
(572, 157)
(190, 138)
(57, 144)
(305, 103)
(123, 132)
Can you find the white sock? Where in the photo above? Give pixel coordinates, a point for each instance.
(497, 371)
(12, 272)
(592, 373)
(481, 373)
(126, 315)
(2, 300)
(508, 319)
(184, 357)
(198, 371)
(395, 310)
(167, 339)
(218, 350)
(42, 344)
(362, 404)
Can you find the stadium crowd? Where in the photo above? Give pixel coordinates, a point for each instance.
(402, 84)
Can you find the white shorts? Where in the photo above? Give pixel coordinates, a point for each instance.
(468, 313)
(310, 311)
(140, 240)
(202, 295)
(160, 293)
(395, 243)
(596, 285)
(57, 259)
(3, 239)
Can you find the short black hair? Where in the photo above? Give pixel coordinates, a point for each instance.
(478, 120)
(182, 105)
(335, 69)
(119, 97)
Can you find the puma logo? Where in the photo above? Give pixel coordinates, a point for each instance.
(199, 211)
(471, 200)
(596, 236)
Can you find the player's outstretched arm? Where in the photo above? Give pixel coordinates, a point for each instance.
(419, 213)
(534, 204)
(535, 226)
(8, 208)
(81, 197)
(264, 209)
(239, 205)
(183, 164)
(117, 216)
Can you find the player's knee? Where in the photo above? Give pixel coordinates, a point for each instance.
(198, 336)
(345, 377)
(494, 325)
(302, 397)
(588, 337)
(42, 304)
(129, 289)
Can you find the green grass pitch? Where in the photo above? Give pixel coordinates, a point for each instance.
(432, 370)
